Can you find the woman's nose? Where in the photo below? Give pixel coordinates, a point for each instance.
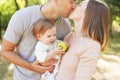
(74, 6)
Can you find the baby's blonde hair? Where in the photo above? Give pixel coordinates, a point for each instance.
(40, 26)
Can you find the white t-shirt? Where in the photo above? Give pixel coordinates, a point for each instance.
(19, 31)
(41, 51)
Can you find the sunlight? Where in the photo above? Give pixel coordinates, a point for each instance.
(2, 2)
(108, 68)
(43, 1)
(0, 47)
(11, 66)
(21, 3)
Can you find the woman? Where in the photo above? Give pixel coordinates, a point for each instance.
(91, 19)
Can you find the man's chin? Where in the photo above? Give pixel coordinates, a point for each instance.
(66, 16)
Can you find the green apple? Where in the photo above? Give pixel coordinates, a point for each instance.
(62, 45)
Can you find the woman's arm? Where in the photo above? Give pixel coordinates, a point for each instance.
(87, 63)
(67, 37)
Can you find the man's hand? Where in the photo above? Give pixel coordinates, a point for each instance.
(51, 61)
(41, 67)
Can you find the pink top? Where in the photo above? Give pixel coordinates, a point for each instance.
(79, 63)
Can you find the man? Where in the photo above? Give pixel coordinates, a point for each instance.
(18, 43)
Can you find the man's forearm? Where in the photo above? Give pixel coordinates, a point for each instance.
(14, 58)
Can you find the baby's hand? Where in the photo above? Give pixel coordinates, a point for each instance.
(62, 45)
(51, 61)
(58, 50)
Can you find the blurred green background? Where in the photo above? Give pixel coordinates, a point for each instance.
(109, 63)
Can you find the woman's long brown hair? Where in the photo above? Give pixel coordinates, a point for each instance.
(96, 22)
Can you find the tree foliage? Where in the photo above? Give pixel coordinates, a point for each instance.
(114, 6)
(8, 7)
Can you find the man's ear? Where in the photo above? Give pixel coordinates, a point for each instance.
(56, 1)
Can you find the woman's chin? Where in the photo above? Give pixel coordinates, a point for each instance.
(71, 17)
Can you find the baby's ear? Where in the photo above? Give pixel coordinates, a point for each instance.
(38, 36)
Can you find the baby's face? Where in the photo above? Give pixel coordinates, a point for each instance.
(49, 37)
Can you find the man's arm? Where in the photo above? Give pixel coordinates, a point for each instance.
(7, 51)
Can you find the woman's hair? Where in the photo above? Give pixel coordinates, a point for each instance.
(96, 22)
(40, 26)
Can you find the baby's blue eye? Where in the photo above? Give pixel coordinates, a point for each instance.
(48, 36)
